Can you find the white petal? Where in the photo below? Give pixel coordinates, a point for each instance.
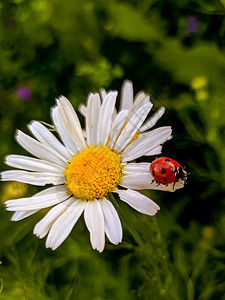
(51, 190)
(146, 143)
(146, 181)
(105, 118)
(126, 101)
(153, 120)
(157, 150)
(64, 224)
(132, 127)
(35, 178)
(92, 119)
(117, 126)
(71, 121)
(103, 94)
(58, 194)
(20, 215)
(38, 149)
(138, 181)
(47, 138)
(62, 131)
(114, 114)
(43, 226)
(140, 100)
(94, 220)
(83, 110)
(138, 201)
(113, 228)
(136, 168)
(33, 164)
(178, 185)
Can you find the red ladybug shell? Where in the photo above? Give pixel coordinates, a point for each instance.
(166, 170)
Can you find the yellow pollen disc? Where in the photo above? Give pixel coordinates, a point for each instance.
(93, 173)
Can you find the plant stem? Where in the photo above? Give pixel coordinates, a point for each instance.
(129, 226)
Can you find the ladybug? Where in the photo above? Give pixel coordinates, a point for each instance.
(166, 170)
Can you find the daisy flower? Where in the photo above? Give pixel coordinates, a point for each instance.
(85, 166)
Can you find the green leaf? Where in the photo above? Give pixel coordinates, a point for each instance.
(129, 23)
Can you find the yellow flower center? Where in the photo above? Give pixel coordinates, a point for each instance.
(93, 173)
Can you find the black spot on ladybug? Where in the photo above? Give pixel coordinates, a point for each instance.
(153, 173)
(174, 170)
(163, 171)
(164, 179)
(167, 159)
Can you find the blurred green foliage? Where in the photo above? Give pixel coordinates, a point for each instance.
(56, 47)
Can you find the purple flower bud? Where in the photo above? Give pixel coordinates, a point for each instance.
(192, 24)
(23, 92)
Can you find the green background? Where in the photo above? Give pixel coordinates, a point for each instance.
(56, 47)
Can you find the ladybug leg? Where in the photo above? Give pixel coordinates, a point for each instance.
(158, 183)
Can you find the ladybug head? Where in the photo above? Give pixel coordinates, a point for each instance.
(181, 174)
